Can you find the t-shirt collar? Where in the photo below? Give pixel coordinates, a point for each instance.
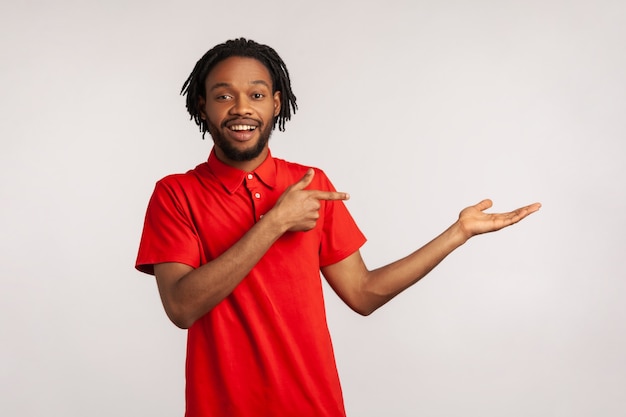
(231, 178)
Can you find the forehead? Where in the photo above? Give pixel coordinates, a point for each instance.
(238, 70)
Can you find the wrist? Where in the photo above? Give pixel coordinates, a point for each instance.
(273, 223)
(457, 234)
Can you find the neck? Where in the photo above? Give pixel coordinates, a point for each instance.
(247, 166)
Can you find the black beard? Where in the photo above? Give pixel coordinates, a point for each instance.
(235, 154)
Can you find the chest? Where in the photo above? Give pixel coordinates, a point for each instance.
(220, 218)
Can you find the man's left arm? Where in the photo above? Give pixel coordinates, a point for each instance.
(365, 291)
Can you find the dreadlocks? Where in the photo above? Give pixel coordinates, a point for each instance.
(194, 86)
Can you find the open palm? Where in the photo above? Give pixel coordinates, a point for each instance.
(475, 221)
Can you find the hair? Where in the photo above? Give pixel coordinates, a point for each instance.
(194, 87)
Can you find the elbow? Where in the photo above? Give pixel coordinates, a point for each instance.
(364, 306)
(368, 301)
(180, 322)
(182, 313)
(184, 316)
(363, 312)
(181, 319)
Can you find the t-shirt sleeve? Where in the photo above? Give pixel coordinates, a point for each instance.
(341, 235)
(169, 234)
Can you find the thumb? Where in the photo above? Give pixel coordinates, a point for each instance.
(305, 181)
(484, 205)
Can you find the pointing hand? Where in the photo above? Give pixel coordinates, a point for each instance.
(299, 207)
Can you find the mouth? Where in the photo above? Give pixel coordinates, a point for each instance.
(242, 128)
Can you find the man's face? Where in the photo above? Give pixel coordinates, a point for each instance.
(239, 109)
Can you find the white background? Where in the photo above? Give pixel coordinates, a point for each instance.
(417, 108)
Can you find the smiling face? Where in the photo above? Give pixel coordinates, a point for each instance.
(239, 108)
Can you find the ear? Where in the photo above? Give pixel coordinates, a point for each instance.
(277, 101)
(201, 107)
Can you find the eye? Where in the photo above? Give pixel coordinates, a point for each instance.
(223, 97)
(258, 96)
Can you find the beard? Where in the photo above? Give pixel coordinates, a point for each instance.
(235, 154)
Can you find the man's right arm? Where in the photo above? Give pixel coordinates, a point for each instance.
(188, 294)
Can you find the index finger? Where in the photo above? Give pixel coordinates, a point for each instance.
(527, 210)
(329, 195)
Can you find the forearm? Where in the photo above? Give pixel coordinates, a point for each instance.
(382, 284)
(199, 290)
(365, 291)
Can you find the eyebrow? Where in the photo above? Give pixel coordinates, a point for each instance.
(222, 84)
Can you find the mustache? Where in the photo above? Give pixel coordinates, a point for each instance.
(241, 121)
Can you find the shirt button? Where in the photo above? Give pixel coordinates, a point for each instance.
(257, 195)
(250, 176)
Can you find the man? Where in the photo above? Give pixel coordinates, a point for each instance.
(237, 245)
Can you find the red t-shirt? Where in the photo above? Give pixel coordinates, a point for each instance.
(265, 350)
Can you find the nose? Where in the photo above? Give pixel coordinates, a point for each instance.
(241, 106)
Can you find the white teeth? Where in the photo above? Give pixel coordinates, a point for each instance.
(242, 127)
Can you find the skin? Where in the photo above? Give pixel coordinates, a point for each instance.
(240, 89)
(239, 92)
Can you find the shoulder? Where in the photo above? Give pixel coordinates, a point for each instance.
(295, 171)
(182, 181)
